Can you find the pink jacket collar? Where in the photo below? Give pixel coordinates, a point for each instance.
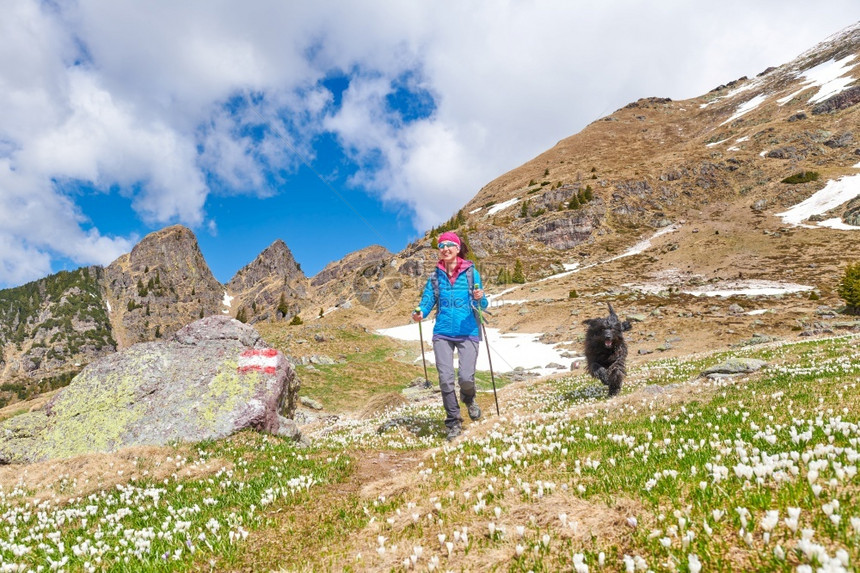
(462, 265)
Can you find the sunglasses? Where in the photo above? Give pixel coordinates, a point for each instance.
(448, 245)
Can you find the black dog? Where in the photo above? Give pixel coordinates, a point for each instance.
(606, 350)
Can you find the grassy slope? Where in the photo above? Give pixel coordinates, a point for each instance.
(564, 475)
(367, 365)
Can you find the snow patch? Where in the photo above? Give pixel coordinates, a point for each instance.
(730, 288)
(509, 351)
(829, 77)
(504, 205)
(642, 246)
(747, 107)
(569, 269)
(495, 302)
(746, 87)
(833, 194)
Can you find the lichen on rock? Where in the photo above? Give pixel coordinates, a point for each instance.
(214, 377)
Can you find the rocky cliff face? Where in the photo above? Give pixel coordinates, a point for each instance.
(162, 285)
(272, 286)
(48, 329)
(352, 277)
(336, 270)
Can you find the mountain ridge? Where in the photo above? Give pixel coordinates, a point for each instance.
(711, 168)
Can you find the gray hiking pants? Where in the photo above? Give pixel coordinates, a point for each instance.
(467, 352)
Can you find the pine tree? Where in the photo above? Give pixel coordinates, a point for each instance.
(519, 277)
(849, 288)
(283, 309)
(574, 203)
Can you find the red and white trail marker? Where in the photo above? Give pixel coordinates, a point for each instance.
(258, 361)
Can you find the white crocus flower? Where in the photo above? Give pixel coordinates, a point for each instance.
(693, 563)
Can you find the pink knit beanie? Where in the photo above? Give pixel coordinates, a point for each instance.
(449, 236)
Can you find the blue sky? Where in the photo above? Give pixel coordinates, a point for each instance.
(332, 125)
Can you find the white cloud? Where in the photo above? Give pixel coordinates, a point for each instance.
(131, 94)
(20, 262)
(103, 141)
(36, 221)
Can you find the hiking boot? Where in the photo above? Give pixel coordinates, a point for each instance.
(474, 411)
(453, 433)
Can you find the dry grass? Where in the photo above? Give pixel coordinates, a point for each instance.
(80, 476)
(30, 405)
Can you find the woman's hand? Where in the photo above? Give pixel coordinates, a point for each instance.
(416, 315)
(477, 293)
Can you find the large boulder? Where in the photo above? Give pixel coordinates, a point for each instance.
(214, 377)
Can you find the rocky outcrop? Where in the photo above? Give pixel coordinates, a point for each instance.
(851, 216)
(272, 286)
(838, 102)
(214, 377)
(564, 232)
(491, 241)
(337, 270)
(734, 366)
(162, 285)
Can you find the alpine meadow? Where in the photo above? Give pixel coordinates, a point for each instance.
(723, 230)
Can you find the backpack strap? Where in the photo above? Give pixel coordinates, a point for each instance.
(470, 279)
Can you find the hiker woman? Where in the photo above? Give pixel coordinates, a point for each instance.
(454, 288)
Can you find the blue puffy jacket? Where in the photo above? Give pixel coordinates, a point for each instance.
(455, 315)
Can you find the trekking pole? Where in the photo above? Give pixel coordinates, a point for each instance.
(421, 338)
(480, 315)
